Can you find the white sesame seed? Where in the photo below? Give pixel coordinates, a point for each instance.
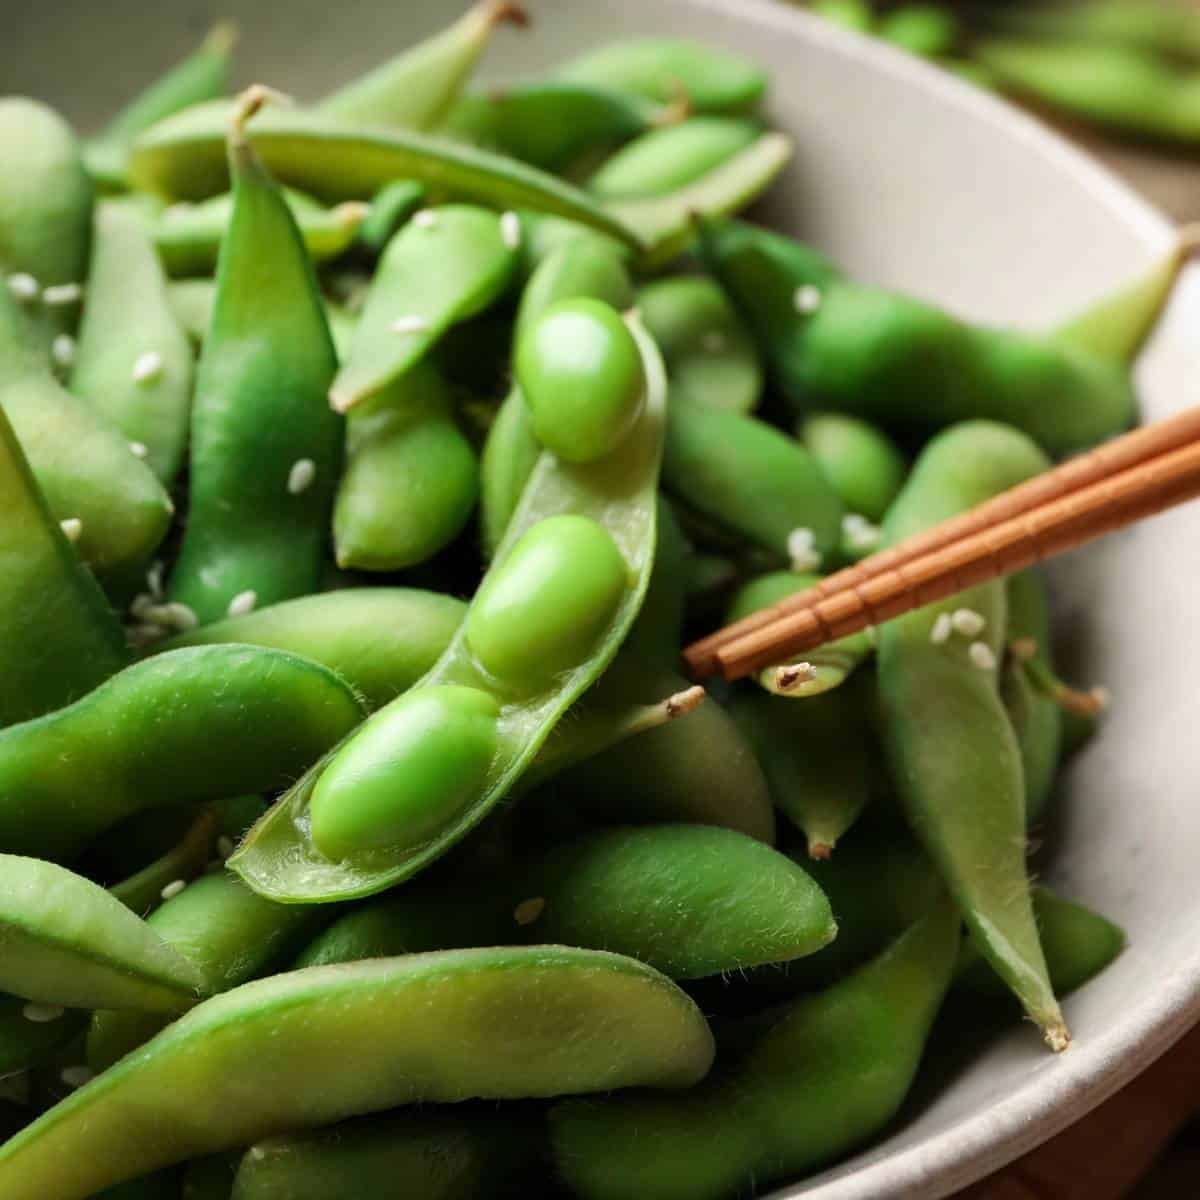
(76, 1077)
(42, 1014)
(412, 323)
(62, 294)
(148, 367)
(173, 889)
(859, 532)
(1102, 696)
(23, 286)
(714, 342)
(968, 622)
(981, 656)
(256, 1152)
(62, 350)
(72, 527)
(807, 298)
(139, 449)
(425, 219)
(154, 577)
(180, 616)
(802, 550)
(510, 230)
(941, 630)
(529, 910)
(225, 845)
(303, 472)
(243, 603)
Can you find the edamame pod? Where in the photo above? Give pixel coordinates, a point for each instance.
(436, 271)
(671, 157)
(944, 726)
(1164, 28)
(415, 89)
(332, 1042)
(63, 640)
(68, 942)
(411, 477)
(796, 1099)
(390, 207)
(380, 640)
(921, 29)
(551, 123)
(184, 158)
(201, 76)
(142, 892)
(133, 363)
(144, 739)
(192, 301)
(709, 355)
(85, 469)
(862, 463)
(849, 14)
(265, 446)
(753, 480)
(660, 68)
(279, 857)
(228, 936)
(542, 234)
(188, 236)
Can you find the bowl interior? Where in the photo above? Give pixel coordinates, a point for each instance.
(914, 180)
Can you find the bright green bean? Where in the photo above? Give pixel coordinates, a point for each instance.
(333, 1042)
(862, 463)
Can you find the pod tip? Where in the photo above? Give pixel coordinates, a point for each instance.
(499, 12)
(255, 97)
(222, 37)
(682, 703)
(820, 851)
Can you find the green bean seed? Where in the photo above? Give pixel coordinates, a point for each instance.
(144, 739)
(861, 462)
(660, 68)
(580, 373)
(316, 1046)
(133, 363)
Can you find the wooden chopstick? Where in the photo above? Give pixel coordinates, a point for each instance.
(1123, 481)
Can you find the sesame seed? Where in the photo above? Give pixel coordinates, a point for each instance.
(1102, 696)
(968, 622)
(510, 230)
(714, 342)
(179, 616)
(859, 532)
(243, 603)
(23, 286)
(173, 889)
(72, 527)
(62, 294)
(42, 1014)
(225, 845)
(139, 449)
(802, 550)
(62, 350)
(76, 1077)
(256, 1152)
(807, 298)
(148, 367)
(412, 323)
(981, 656)
(154, 577)
(303, 472)
(941, 630)
(425, 219)
(529, 910)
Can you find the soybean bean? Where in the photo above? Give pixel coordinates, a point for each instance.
(862, 463)
(316, 1046)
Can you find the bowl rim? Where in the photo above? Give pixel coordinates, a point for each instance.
(1086, 1074)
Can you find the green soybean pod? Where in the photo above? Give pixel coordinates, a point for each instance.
(542, 234)
(439, 269)
(443, 1155)
(617, 494)
(68, 942)
(849, 14)
(380, 640)
(86, 470)
(192, 301)
(188, 236)
(68, 776)
(142, 892)
(945, 728)
(202, 75)
(415, 89)
(63, 638)
(411, 477)
(328, 1043)
(863, 464)
(133, 363)
(794, 1100)
(226, 933)
(674, 156)
(709, 355)
(390, 207)
(713, 80)
(1165, 28)
(689, 900)
(922, 29)
(184, 158)
(265, 446)
(754, 481)
(551, 123)
(510, 454)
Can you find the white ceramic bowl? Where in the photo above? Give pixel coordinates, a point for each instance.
(914, 180)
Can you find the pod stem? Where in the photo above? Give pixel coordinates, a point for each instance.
(501, 12)
(221, 38)
(255, 97)
(1089, 703)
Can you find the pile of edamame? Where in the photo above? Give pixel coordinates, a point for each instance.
(365, 461)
